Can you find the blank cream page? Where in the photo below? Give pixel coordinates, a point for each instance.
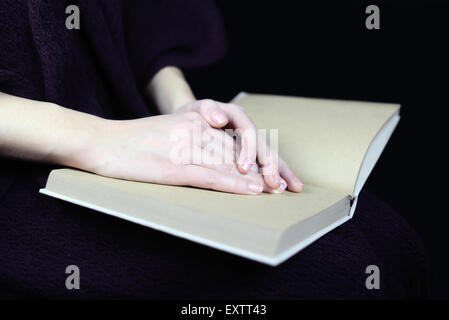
(271, 211)
(323, 141)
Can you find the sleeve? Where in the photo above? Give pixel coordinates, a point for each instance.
(181, 33)
(20, 72)
(19, 65)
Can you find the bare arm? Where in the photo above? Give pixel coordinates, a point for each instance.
(46, 132)
(142, 149)
(139, 150)
(170, 90)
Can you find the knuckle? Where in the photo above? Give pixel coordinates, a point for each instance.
(207, 103)
(192, 115)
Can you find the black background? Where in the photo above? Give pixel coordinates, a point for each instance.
(323, 49)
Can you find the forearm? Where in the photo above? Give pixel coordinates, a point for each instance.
(170, 90)
(45, 132)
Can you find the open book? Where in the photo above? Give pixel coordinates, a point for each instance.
(331, 145)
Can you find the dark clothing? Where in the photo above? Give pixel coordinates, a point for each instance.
(41, 236)
(102, 69)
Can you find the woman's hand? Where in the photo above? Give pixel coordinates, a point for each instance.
(179, 149)
(254, 148)
(172, 94)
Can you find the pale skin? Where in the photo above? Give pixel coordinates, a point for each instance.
(139, 150)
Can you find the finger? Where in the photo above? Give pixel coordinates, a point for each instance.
(293, 183)
(219, 142)
(214, 160)
(247, 132)
(206, 178)
(209, 147)
(282, 187)
(212, 112)
(268, 161)
(248, 153)
(255, 171)
(253, 146)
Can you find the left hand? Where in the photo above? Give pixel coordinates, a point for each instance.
(254, 148)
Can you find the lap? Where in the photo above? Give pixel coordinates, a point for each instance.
(41, 236)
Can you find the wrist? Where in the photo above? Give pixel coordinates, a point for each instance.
(169, 90)
(79, 139)
(180, 99)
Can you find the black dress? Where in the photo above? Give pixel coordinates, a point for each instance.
(102, 69)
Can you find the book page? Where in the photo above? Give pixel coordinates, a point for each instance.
(323, 141)
(253, 223)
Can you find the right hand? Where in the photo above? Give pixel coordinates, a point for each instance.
(151, 149)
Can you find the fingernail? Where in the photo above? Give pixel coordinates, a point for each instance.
(247, 165)
(256, 188)
(277, 178)
(281, 187)
(217, 117)
(255, 168)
